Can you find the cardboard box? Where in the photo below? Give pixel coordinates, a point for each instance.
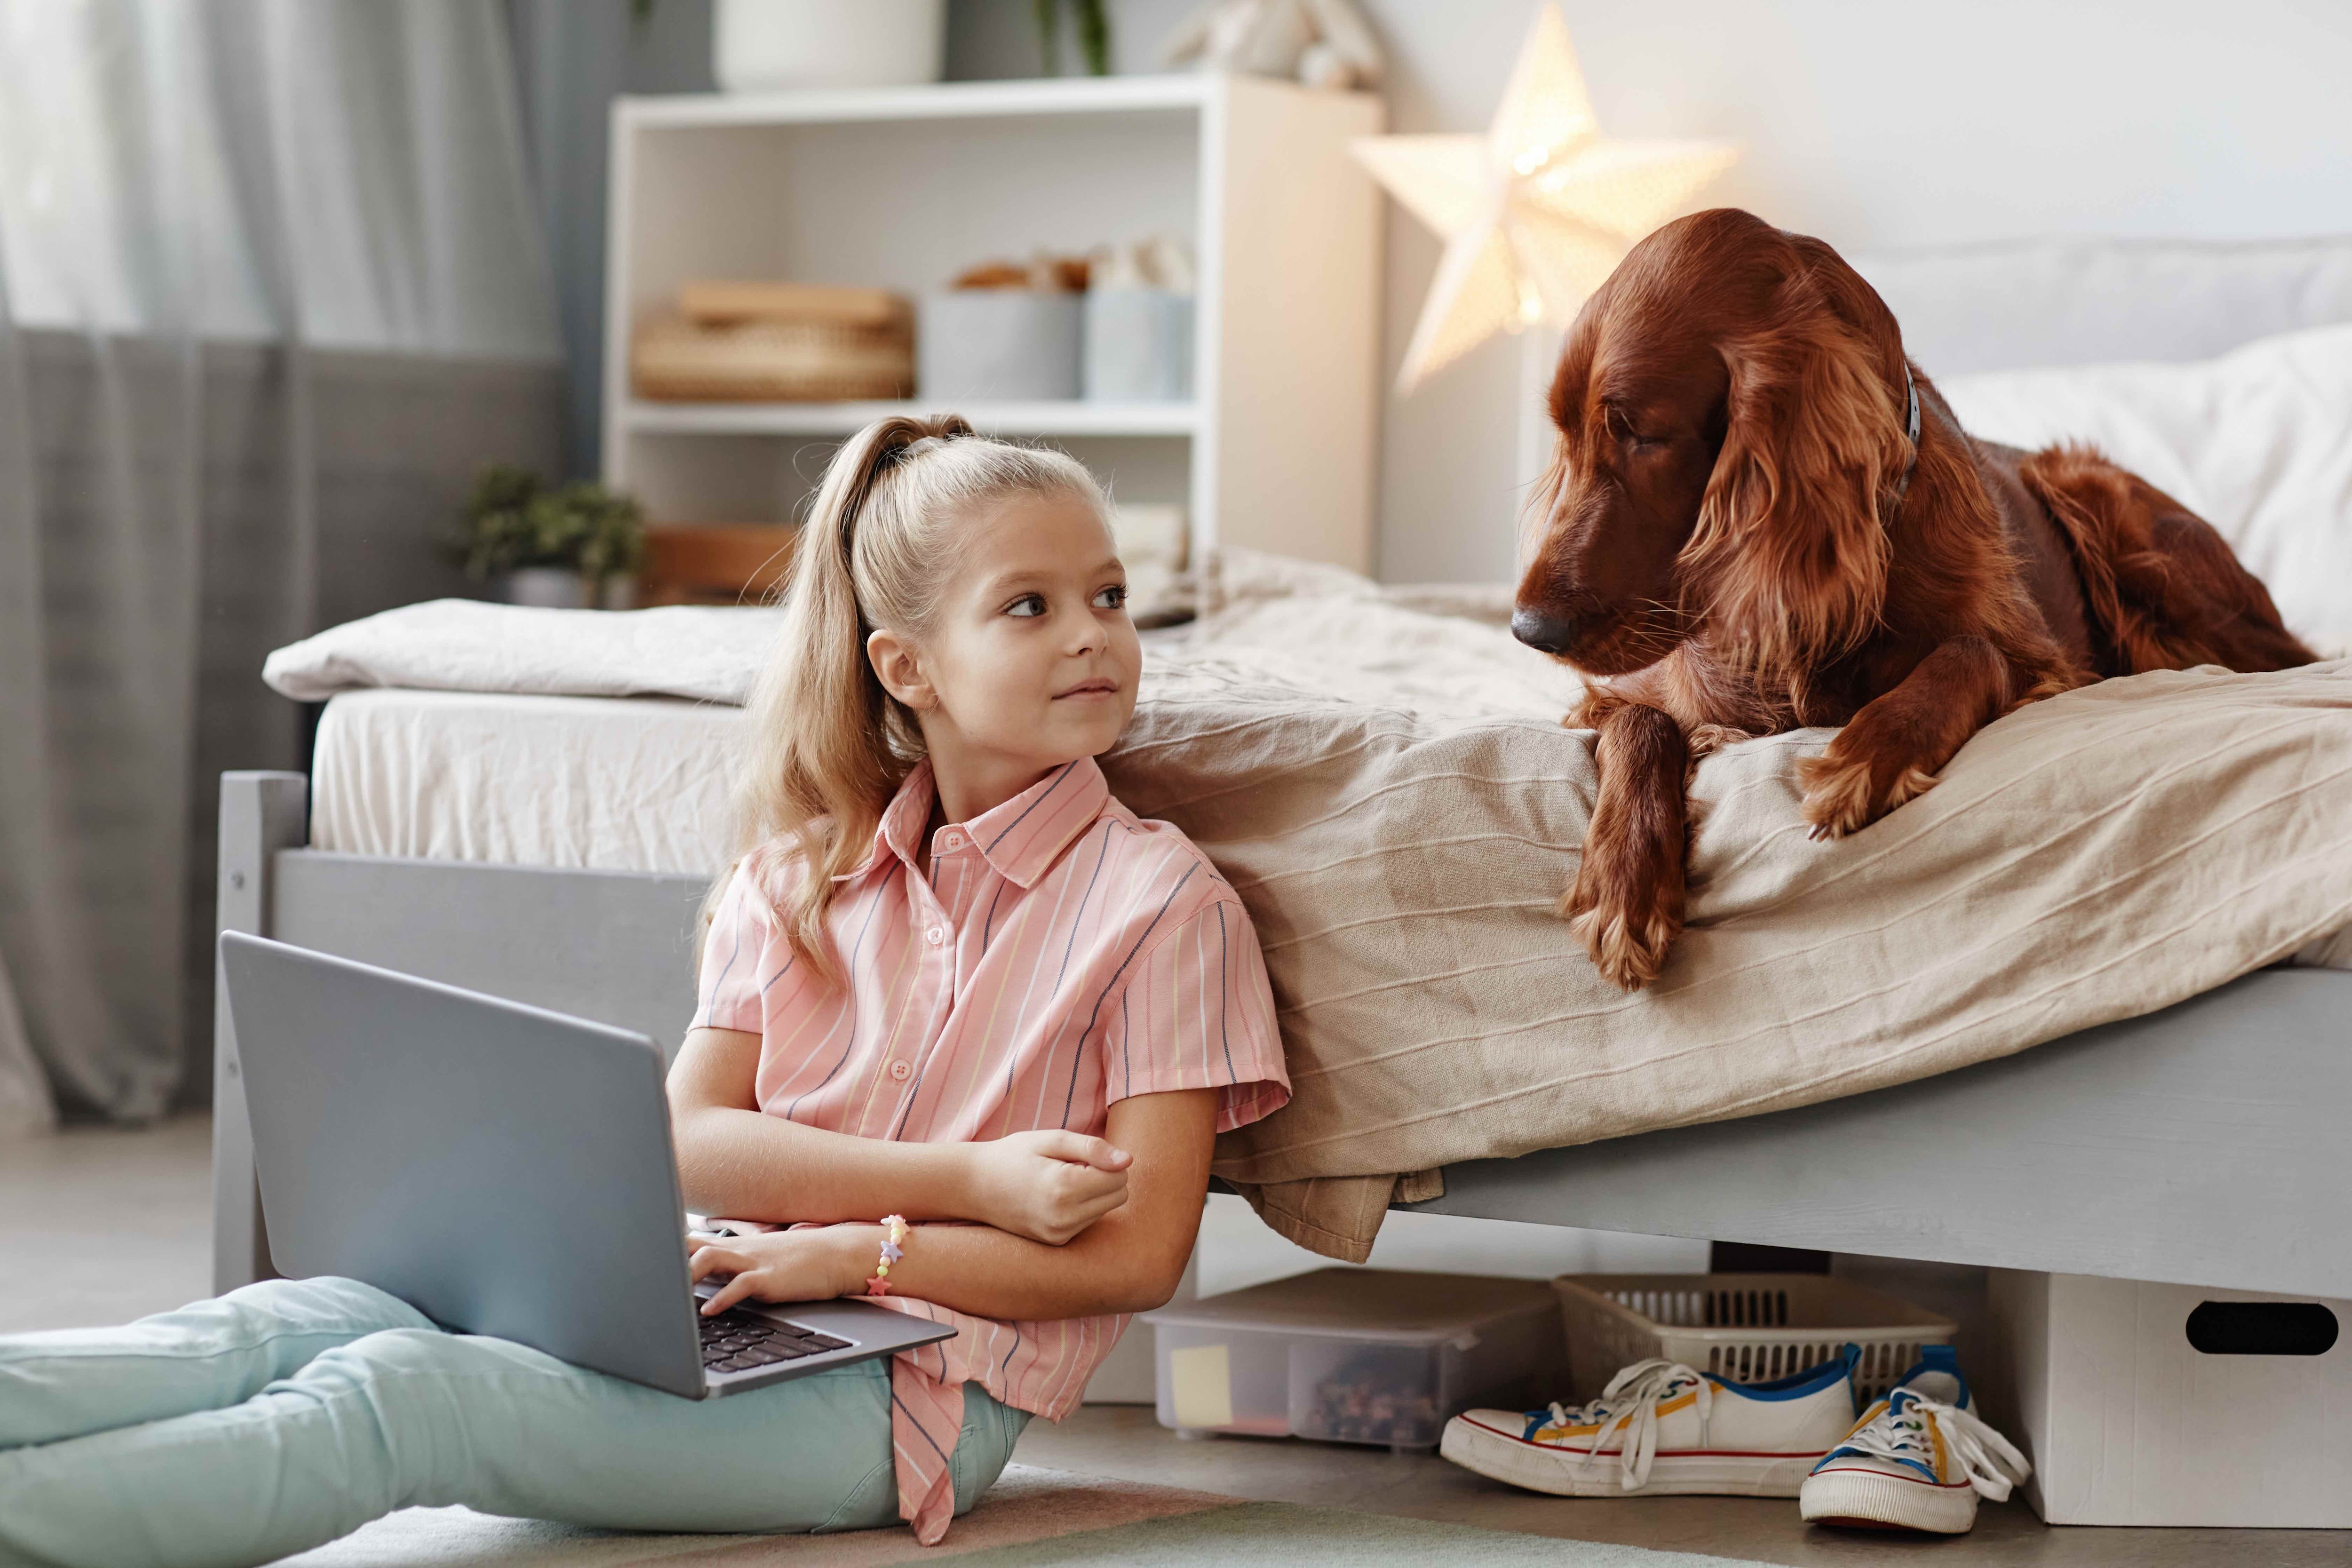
(2128, 1421)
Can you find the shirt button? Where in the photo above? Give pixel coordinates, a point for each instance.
(901, 1071)
(935, 935)
(951, 841)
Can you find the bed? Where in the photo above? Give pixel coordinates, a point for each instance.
(546, 846)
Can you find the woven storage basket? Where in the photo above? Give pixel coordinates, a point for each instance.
(1743, 1328)
(811, 361)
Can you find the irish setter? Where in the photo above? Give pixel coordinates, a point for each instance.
(1739, 535)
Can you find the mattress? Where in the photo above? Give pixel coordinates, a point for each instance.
(457, 731)
(633, 783)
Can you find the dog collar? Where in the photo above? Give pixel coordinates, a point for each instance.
(1911, 430)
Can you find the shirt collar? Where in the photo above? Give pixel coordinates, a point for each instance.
(900, 831)
(1019, 840)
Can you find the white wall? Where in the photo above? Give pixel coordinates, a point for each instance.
(1871, 125)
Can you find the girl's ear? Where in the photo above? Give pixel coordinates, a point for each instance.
(899, 670)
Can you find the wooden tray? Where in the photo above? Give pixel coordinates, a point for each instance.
(714, 563)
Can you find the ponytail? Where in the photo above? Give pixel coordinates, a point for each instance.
(827, 745)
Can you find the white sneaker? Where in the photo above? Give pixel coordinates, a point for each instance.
(1661, 1426)
(1918, 1459)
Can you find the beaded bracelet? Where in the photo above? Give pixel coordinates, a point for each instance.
(894, 1247)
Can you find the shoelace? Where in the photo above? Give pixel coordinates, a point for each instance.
(1990, 1461)
(1630, 1405)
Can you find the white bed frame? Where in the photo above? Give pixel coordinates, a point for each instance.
(2204, 1144)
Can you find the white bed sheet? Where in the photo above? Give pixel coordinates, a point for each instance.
(634, 783)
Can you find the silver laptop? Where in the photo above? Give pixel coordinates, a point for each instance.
(503, 1168)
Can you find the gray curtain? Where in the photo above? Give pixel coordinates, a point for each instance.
(270, 287)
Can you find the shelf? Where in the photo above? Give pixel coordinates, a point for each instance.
(842, 418)
(900, 187)
(945, 101)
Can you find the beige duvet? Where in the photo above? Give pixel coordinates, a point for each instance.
(1392, 795)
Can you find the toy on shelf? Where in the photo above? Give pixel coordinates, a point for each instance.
(1139, 324)
(1322, 43)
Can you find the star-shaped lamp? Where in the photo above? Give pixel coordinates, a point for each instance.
(1536, 212)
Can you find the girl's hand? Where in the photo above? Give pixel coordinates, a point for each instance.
(1047, 1185)
(789, 1265)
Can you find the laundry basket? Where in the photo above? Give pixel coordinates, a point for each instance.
(1743, 1328)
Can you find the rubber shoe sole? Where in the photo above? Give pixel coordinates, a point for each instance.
(1501, 1457)
(1871, 1499)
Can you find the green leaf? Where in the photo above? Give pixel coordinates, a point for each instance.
(1094, 36)
(512, 521)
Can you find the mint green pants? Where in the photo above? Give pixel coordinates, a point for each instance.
(281, 1415)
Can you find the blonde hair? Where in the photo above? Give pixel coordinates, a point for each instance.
(827, 745)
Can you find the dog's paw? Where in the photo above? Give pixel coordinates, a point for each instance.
(1627, 926)
(1841, 793)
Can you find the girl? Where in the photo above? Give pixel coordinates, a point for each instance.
(953, 983)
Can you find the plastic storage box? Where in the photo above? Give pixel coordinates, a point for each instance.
(1355, 1355)
(1743, 1328)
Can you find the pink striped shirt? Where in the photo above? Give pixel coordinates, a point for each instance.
(1064, 954)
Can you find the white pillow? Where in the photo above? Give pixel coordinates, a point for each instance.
(2258, 443)
(1969, 309)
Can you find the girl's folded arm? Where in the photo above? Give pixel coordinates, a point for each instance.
(1127, 1261)
(735, 1159)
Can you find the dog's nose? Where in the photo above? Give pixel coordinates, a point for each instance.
(1538, 630)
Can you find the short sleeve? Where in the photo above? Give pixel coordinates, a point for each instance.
(1197, 1012)
(733, 952)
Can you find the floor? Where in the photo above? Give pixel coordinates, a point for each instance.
(99, 1226)
(1126, 1441)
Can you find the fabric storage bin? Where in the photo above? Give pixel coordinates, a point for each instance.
(2177, 1404)
(1354, 1355)
(998, 345)
(1742, 1327)
(1139, 345)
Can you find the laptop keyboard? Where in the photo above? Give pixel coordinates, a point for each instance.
(735, 1340)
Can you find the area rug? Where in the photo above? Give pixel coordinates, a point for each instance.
(1030, 1516)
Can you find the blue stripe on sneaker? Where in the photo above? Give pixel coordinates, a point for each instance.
(1797, 1385)
(1836, 1454)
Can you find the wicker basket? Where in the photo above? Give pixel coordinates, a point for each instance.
(1743, 1328)
(676, 358)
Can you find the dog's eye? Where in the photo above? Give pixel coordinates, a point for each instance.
(1622, 428)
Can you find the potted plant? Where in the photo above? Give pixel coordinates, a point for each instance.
(781, 45)
(571, 548)
(1094, 35)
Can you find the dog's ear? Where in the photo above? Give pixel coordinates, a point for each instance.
(1789, 556)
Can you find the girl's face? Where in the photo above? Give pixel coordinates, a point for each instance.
(1031, 661)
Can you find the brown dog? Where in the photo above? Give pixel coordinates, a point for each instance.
(1749, 526)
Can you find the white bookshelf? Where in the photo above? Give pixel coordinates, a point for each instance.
(903, 187)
